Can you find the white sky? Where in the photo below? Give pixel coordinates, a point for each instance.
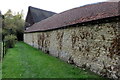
(50, 5)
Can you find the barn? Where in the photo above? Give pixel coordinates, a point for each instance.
(35, 15)
(87, 36)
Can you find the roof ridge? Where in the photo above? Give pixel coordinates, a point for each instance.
(78, 15)
(40, 9)
(87, 6)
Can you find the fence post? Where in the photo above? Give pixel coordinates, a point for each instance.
(3, 50)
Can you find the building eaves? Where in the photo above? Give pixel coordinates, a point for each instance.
(78, 15)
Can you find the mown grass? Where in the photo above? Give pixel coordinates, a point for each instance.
(24, 61)
(0, 60)
(0, 70)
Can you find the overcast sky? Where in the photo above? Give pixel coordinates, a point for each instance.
(50, 5)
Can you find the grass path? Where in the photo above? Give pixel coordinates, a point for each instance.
(24, 61)
(0, 60)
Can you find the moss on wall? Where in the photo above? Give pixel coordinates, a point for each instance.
(95, 47)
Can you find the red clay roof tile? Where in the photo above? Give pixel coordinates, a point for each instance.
(77, 15)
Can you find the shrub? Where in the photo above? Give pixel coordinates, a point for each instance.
(10, 41)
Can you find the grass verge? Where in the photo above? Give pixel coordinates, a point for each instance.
(24, 61)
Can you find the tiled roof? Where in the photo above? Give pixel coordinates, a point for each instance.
(37, 15)
(78, 15)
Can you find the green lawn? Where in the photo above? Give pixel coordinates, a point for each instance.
(24, 61)
(0, 60)
(0, 71)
